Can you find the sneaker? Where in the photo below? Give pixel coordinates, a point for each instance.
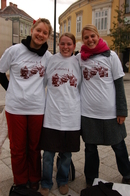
(44, 191)
(125, 181)
(63, 189)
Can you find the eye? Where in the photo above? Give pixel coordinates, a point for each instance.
(86, 37)
(92, 36)
(62, 43)
(44, 33)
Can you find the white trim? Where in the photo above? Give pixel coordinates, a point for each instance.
(100, 7)
(69, 24)
(79, 16)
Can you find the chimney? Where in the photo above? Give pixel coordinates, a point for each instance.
(3, 4)
(10, 3)
(15, 5)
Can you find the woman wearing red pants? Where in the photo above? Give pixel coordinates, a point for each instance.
(25, 100)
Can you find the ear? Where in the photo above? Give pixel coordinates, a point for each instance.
(31, 31)
(74, 46)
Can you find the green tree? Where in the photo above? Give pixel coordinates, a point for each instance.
(120, 31)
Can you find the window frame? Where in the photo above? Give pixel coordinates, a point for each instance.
(78, 24)
(61, 29)
(127, 8)
(21, 28)
(106, 5)
(65, 26)
(101, 19)
(69, 25)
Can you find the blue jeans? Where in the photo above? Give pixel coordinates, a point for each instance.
(62, 170)
(91, 168)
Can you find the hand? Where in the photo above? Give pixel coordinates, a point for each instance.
(120, 119)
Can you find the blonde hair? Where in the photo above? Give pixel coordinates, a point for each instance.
(45, 21)
(70, 35)
(90, 27)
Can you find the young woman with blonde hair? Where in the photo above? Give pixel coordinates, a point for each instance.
(103, 104)
(25, 100)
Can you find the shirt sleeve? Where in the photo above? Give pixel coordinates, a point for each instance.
(5, 61)
(4, 80)
(121, 104)
(117, 69)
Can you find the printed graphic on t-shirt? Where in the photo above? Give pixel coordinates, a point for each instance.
(89, 73)
(26, 73)
(58, 80)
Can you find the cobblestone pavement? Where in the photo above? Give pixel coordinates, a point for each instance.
(108, 167)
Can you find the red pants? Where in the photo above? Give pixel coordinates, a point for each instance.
(24, 134)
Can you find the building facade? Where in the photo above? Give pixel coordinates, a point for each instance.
(100, 13)
(50, 42)
(5, 35)
(20, 28)
(21, 21)
(97, 12)
(126, 54)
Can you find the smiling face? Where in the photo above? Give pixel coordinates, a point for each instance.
(66, 46)
(39, 34)
(90, 39)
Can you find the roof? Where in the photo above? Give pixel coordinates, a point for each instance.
(13, 10)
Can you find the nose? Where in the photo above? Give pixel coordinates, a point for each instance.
(65, 46)
(41, 33)
(90, 39)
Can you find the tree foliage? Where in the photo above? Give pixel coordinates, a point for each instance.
(120, 32)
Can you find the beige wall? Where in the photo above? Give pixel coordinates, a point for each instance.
(5, 35)
(86, 8)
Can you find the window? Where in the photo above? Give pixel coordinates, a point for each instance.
(25, 29)
(21, 28)
(78, 25)
(128, 8)
(64, 26)
(69, 24)
(101, 20)
(61, 30)
(101, 16)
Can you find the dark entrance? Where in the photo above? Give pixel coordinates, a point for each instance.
(126, 60)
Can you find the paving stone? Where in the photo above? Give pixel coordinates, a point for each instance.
(107, 171)
(4, 154)
(7, 161)
(5, 172)
(5, 187)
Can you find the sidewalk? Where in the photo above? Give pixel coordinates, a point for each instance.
(108, 167)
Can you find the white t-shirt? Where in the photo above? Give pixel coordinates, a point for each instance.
(62, 110)
(25, 93)
(97, 87)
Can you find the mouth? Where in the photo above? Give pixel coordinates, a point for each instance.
(91, 44)
(39, 39)
(65, 51)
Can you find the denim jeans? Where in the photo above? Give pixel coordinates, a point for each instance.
(92, 161)
(62, 170)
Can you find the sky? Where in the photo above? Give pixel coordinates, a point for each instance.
(43, 8)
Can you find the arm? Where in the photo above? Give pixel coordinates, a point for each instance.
(121, 104)
(4, 80)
